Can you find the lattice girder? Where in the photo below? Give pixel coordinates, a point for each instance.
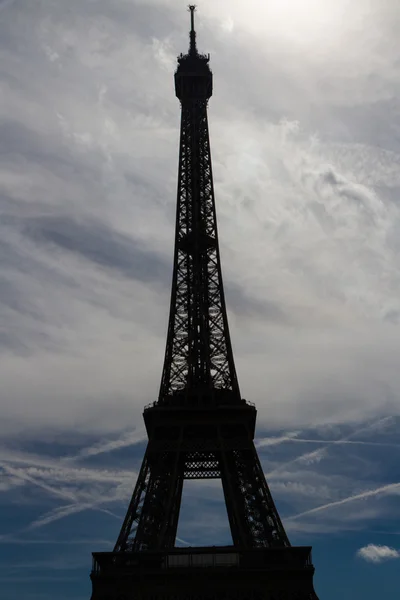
(198, 352)
(200, 445)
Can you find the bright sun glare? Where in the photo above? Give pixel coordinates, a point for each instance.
(299, 20)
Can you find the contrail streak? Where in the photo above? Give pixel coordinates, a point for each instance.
(385, 489)
(317, 454)
(124, 441)
(43, 486)
(281, 440)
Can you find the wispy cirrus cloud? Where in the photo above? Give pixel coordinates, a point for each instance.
(304, 479)
(88, 190)
(305, 144)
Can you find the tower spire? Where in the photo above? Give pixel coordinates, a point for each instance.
(192, 46)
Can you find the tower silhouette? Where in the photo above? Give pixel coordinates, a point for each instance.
(200, 427)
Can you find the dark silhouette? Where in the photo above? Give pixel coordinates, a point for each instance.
(200, 427)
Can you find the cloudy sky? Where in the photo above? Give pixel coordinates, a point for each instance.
(305, 135)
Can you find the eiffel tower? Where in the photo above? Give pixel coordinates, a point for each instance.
(200, 427)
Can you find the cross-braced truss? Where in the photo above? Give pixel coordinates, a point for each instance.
(198, 356)
(152, 518)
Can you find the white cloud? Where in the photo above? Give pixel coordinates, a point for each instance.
(377, 554)
(307, 229)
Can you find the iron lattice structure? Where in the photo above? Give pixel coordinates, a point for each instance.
(200, 428)
(198, 358)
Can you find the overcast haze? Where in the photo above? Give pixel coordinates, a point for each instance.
(305, 135)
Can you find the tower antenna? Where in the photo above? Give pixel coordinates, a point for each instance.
(192, 47)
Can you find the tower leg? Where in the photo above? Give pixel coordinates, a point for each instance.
(253, 517)
(152, 518)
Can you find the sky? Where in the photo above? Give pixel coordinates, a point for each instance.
(304, 125)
